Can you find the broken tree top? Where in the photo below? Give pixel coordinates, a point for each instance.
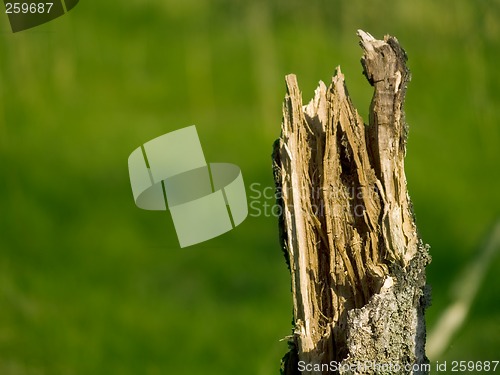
(348, 230)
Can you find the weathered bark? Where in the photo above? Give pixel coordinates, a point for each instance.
(347, 226)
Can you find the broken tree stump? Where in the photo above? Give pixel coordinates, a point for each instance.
(347, 227)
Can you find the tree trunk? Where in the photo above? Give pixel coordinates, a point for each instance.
(347, 227)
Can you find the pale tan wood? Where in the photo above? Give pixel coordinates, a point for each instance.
(348, 231)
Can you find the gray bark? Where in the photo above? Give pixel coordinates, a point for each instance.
(348, 231)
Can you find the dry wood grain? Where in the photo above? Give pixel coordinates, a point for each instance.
(348, 231)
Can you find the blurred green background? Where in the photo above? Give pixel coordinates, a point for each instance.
(90, 284)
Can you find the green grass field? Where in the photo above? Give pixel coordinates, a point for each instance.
(90, 284)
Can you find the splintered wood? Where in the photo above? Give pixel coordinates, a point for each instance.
(348, 231)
